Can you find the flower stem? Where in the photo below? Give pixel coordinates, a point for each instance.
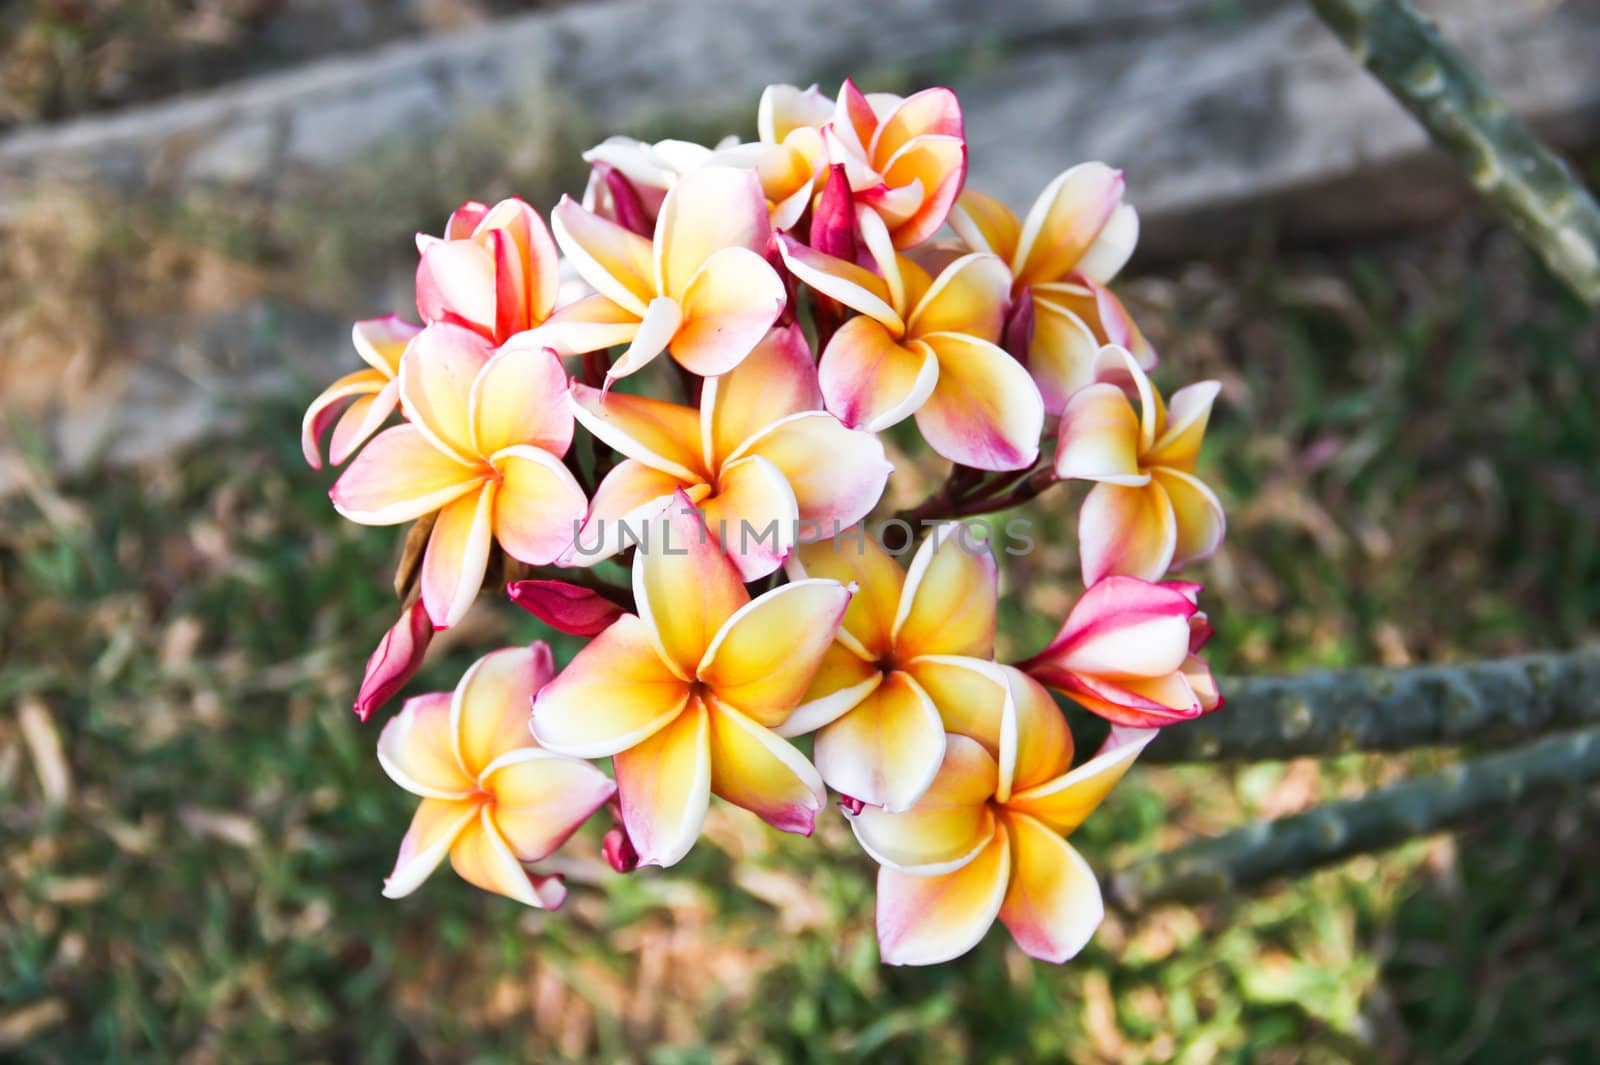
(1535, 191)
(1332, 711)
(1215, 869)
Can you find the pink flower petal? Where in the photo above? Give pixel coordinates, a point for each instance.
(1099, 438)
(728, 307)
(664, 787)
(436, 379)
(1126, 531)
(707, 211)
(923, 920)
(870, 380)
(395, 661)
(776, 380)
(542, 798)
(757, 770)
(571, 608)
(399, 477)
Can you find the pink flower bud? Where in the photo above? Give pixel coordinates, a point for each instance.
(396, 660)
(833, 223)
(619, 850)
(567, 607)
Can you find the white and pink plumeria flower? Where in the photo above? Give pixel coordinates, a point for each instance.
(760, 458)
(986, 839)
(1127, 652)
(700, 289)
(1148, 513)
(926, 347)
(686, 695)
(1076, 237)
(481, 451)
(908, 653)
(492, 799)
(766, 646)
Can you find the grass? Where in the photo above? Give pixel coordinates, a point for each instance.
(1407, 445)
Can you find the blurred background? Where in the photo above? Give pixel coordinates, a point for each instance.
(198, 196)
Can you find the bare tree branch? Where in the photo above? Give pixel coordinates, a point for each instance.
(1549, 207)
(1332, 711)
(1213, 869)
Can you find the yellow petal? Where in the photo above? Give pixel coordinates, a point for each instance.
(685, 586)
(1061, 354)
(857, 557)
(541, 798)
(947, 606)
(969, 296)
(1099, 438)
(1052, 905)
(363, 384)
(985, 410)
(855, 287)
(872, 381)
(1128, 531)
(843, 679)
(985, 224)
(491, 705)
(1197, 515)
(520, 397)
(756, 769)
(586, 325)
(482, 857)
(1065, 221)
(615, 261)
(946, 827)
(1113, 247)
(1065, 802)
(381, 341)
(663, 435)
(614, 694)
(662, 319)
(753, 516)
(539, 507)
(631, 494)
(837, 474)
(763, 659)
(923, 920)
(434, 828)
(664, 787)
(776, 380)
(457, 556)
(417, 749)
(707, 210)
(886, 750)
(364, 416)
(1187, 415)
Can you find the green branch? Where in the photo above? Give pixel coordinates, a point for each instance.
(1550, 208)
(1334, 711)
(1213, 869)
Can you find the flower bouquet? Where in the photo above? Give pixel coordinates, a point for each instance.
(684, 378)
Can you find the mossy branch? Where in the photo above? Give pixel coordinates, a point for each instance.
(1334, 711)
(1214, 869)
(1534, 189)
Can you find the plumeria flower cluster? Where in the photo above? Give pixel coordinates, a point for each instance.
(654, 417)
